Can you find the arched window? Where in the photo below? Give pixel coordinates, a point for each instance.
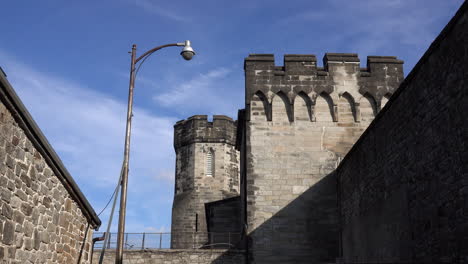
(210, 163)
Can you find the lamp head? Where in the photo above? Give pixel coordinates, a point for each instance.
(187, 52)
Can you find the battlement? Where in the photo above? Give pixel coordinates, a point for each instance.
(197, 128)
(308, 61)
(341, 74)
(306, 64)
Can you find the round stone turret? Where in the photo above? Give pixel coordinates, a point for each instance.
(207, 170)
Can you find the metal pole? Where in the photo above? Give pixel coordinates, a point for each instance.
(107, 233)
(143, 242)
(123, 195)
(160, 240)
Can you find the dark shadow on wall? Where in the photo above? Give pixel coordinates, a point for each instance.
(304, 231)
(83, 243)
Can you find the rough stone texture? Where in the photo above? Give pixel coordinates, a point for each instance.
(39, 221)
(175, 256)
(301, 120)
(194, 138)
(404, 185)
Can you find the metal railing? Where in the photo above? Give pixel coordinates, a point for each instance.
(195, 240)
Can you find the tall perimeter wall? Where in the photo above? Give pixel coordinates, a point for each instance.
(44, 217)
(301, 120)
(176, 256)
(199, 181)
(404, 185)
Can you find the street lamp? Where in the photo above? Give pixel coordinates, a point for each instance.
(187, 53)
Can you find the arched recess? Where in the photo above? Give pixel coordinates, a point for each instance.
(385, 99)
(281, 108)
(346, 109)
(302, 107)
(368, 108)
(259, 107)
(324, 108)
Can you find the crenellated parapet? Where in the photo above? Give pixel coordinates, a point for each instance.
(198, 129)
(340, 76)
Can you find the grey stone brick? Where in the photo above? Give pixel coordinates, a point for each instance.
(8, 233)
(24, 219)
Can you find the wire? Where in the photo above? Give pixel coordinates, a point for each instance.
(141, 63)
(110, 199)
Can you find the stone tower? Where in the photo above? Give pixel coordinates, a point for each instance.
(301, 120)
(207, 170)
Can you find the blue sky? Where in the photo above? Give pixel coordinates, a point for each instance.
(68, 62)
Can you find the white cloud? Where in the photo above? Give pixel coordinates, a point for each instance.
(151, 7)
(195, 94)
(165, 174)
(372, 27)
(87, 129)
(161, 229)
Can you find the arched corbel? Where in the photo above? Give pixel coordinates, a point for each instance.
(287, 104)
(352, 104)
(308, 102)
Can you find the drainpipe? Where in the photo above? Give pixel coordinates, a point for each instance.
(96, 239)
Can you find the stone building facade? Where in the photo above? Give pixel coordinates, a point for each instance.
(301, 120)
(207, 170)
(404, 184)
(321, 181)
(44, 217)
(177, 256)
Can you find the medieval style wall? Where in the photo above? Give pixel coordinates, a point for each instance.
(404, 185)
(176, 256)
(198, 180)
(43, 217)
(302, 120)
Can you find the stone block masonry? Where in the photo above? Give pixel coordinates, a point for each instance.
(404, 185)
(207, 170)
(44, 218)
(301, 121)
(176, 256)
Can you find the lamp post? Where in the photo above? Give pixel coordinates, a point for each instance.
(187, 53)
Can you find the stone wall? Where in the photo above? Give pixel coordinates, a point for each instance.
(40, 221)
(224, 222)
(176, 256)
(404, 185)
(301, 120)
(195, 139)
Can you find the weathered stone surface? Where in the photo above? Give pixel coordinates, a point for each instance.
(29, 190)
(300, 122)
(404, 185)
(8, 233)
(37, 239)
(176, 256)
(197, 183)
(26, 209)
(6, 211)
(18, 216)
